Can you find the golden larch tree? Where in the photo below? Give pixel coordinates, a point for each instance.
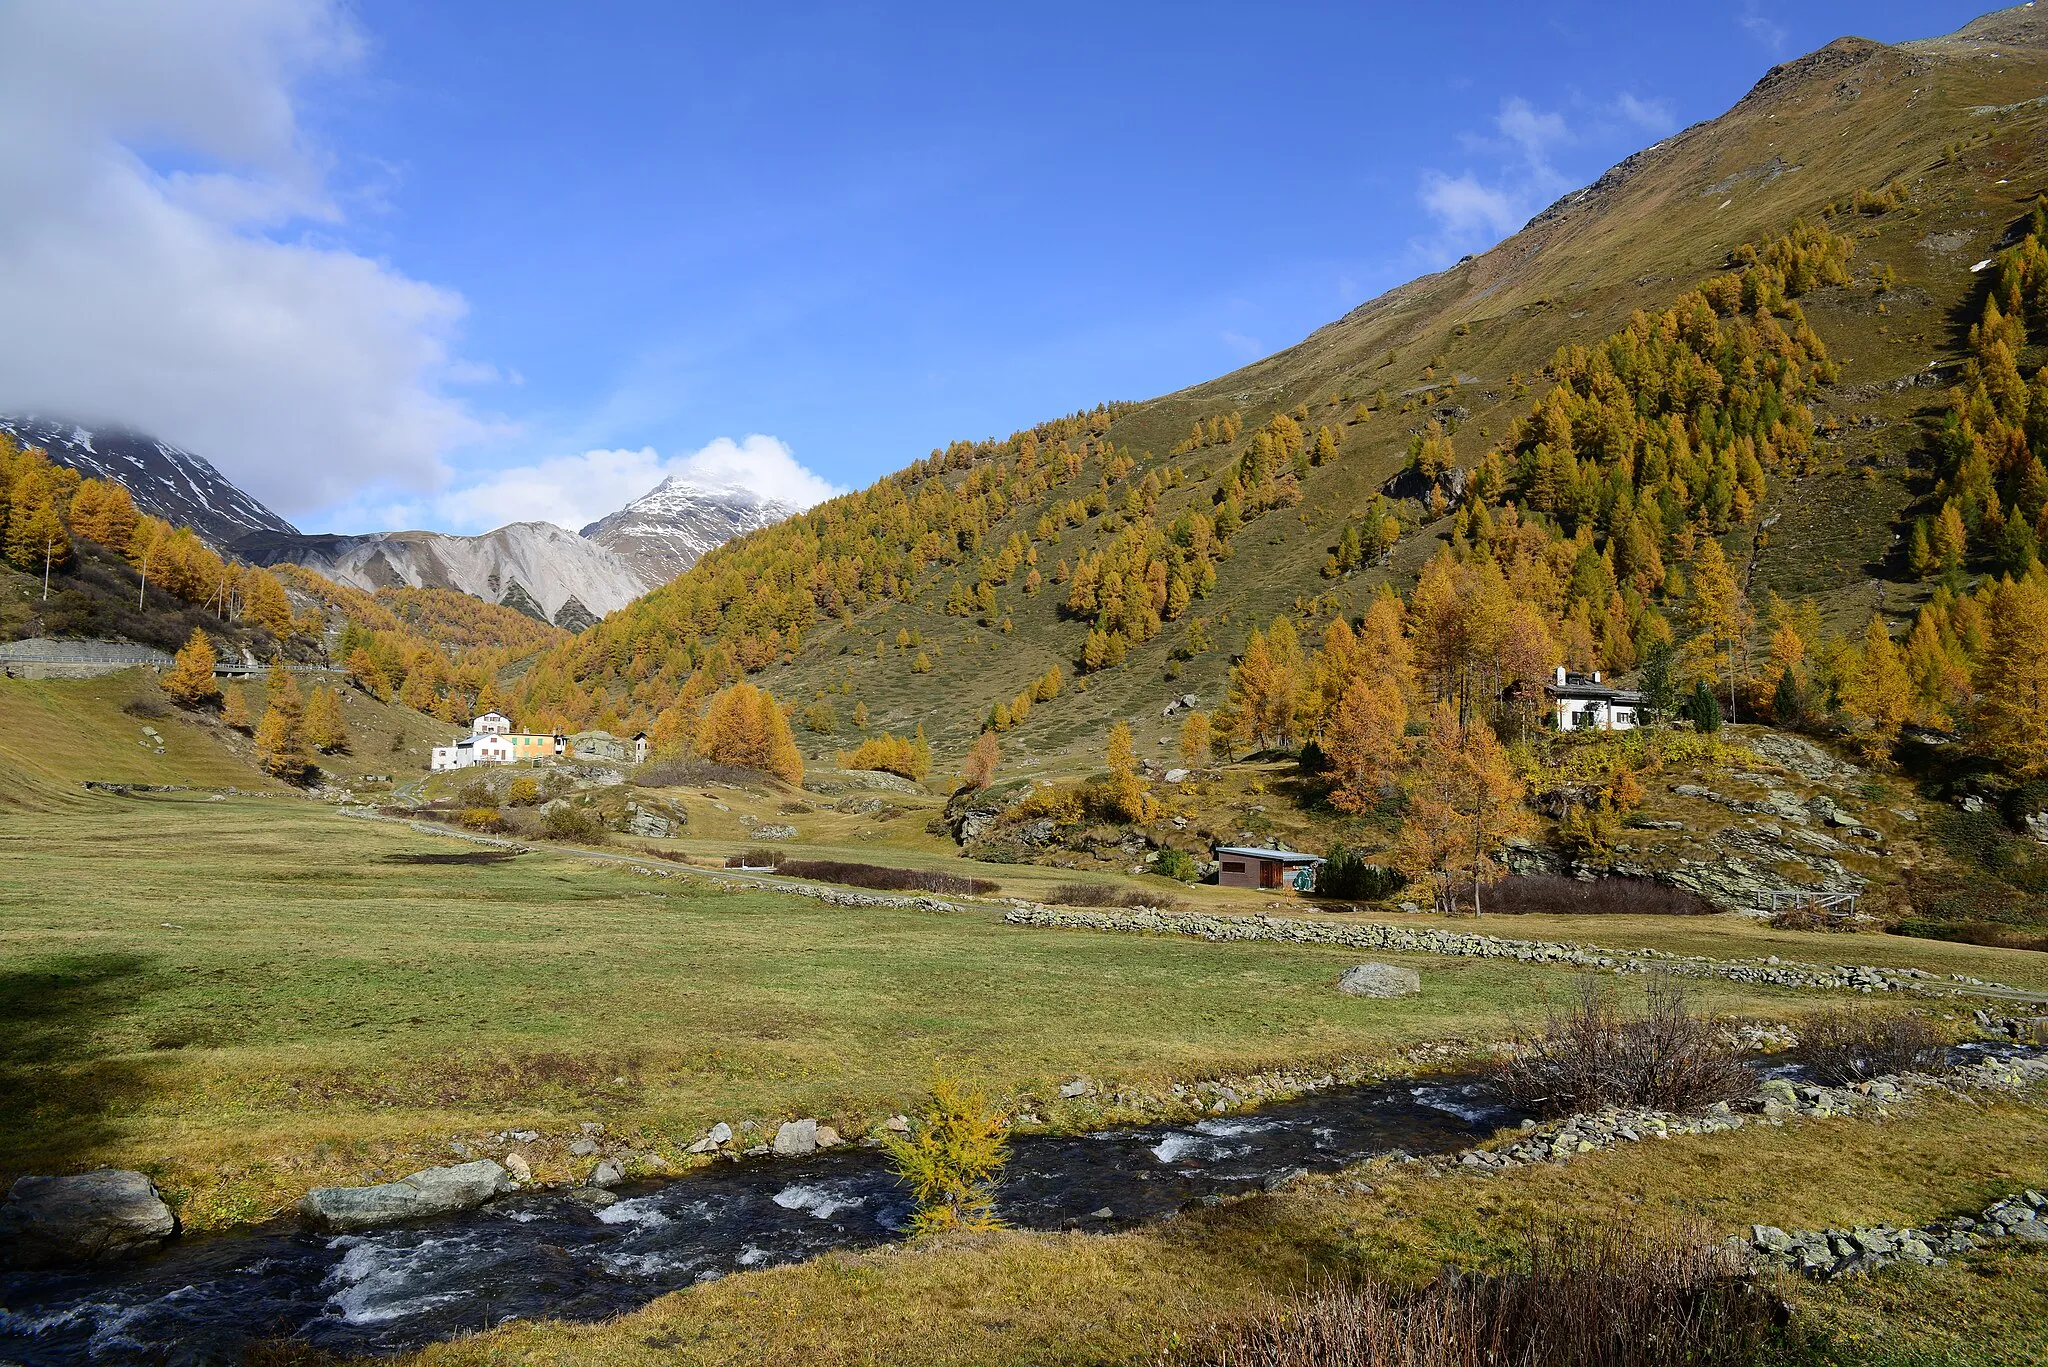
(979, 768)
(1878, 694)
(234, 707)
(190, 680)
(2012, 679)
(744, 725)
(1719, 617)
(1363, 739)
(1127, 791)
(281, 735)
(326, 728)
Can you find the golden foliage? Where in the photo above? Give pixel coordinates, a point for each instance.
(952, 1159)
(743, 725)
(908, 757)
(190, 680)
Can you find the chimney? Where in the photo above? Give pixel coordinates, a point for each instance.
(1596, 676)
(1560, 676)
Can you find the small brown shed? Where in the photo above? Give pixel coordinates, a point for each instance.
(1249, 866)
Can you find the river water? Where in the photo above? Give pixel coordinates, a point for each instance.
(542, 1255)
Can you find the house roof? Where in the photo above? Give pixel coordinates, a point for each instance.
(1587, 690)
(1284, 856)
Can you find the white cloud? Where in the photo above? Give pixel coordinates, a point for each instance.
(1472, 211)
(575, 491)
(1467, 210)
(1528, 128)
(1652, 116)
(1764, 29)
(174, 300)
(1476, 208)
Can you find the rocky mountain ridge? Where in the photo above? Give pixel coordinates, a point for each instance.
(165, 481)
(541, 569)
(537, 567)
(670, 527)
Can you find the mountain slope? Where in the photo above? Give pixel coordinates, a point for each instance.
(1923, 154)
(669, 528)
(570, 580)
(163, 480)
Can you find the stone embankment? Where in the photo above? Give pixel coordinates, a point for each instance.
(1772, 971)
(1775, 1101)
(1827, 1254)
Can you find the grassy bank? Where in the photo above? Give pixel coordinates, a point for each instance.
(1042, 1298)
(252, 997)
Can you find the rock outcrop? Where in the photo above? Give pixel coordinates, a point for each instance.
(94, 1217)
(435, 1191)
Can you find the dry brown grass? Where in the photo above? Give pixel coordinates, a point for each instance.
(1587, 1296)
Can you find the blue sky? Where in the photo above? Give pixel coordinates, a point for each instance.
(589, 242)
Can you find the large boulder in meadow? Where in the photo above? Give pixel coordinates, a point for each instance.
(93, 1217)
(1379, 980)
(435, 1191)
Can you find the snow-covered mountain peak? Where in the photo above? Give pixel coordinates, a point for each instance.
(670, 527)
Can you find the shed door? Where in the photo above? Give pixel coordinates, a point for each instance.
(1269, 873)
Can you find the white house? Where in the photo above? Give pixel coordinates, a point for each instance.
(1585, 704)
(459, 755)
(492, 740)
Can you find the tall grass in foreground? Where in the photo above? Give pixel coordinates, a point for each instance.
(1601, 1297)
(1598, 1052)
(952, 1159)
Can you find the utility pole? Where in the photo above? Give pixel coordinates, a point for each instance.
(49, 552)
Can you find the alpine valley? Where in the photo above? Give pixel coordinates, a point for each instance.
(1513, 830)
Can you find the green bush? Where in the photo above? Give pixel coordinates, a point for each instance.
(560, 821)
(1703, 709)
(1348, 873)
(1178, 865)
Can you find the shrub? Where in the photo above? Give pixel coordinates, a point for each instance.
(1806, 916)
(1607, 1297)
(524, 792)
(561, 821)
(906, 757)
(1595, 1054)
(863, 875)
(477, 793)
(1347, 873)
(690, 773)
(1104, 895)
(1855, 1043)
(1178, 865)
(482, 819)
(1528, 894)
(753, 859)
(952, 1159)
(1703, 709)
